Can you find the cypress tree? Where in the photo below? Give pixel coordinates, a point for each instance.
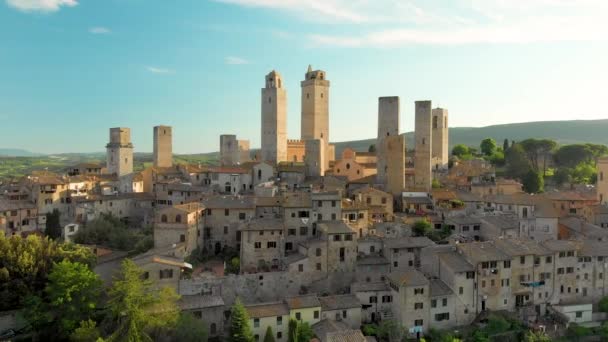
(269, 337)
(240, 331)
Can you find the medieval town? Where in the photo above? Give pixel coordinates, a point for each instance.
(392, 243)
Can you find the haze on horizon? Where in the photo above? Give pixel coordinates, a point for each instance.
(72, 69)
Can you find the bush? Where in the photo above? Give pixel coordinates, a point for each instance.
(421, 228)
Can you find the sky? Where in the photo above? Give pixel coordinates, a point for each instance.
(71, 69)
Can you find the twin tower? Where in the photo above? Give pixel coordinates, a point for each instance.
(314, 124)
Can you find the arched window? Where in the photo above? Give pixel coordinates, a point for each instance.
(163, 218)
(178, 218)
(348, 166)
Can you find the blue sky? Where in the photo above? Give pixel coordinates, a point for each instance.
(70, 69)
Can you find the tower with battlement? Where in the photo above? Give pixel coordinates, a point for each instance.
(119, 152)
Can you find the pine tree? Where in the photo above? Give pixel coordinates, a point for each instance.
(240, 331)
(293, 331)
(269, 337)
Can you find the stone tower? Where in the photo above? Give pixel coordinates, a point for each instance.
(274, 119)
(388, 126)
(440, 135)
(119, 152)
(423, 178)
(229, 150)
(602, 180)
(314, 159)
(163, 146)
(394, 147)
(315, 110)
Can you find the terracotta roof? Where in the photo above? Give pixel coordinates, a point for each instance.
(302, 302)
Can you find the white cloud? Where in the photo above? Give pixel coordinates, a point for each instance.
(40, 5)
(390, 23)
(99, 30)
(235, 60)
(157, 70)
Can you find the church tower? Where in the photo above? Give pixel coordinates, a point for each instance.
(274, 119)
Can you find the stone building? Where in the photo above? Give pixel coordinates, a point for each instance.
(410, 293)
(233, 151)
(440, 134)
(355, 165)
(602, 180)
(296, 149)
(315, 158)
(119, 156)
(274, 120)
(162, 155)
(261, 245)
(223, 216)
(394, 147)
(423, 149)
(179, 224)
(342, 308)
(388, 126)
(315, 113)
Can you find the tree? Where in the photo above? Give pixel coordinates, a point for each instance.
(240, 331)
(109, 231)
(460, 150)
(572, 155)
(305, 333)
(436, 184)
(372, 148)
(421, 228)
(25, 265)
(517, 162)
(53, 227)
(71, 295)
(293, 331)
(603, 305)
(538, 151)
(137, 308)
(488, 146)
(269, 336)
(533, 182)
(505, 145)
(389, 330)
(540, 336)
(86, 332)
(189, 329)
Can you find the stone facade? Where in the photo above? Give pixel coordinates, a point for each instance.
(423, 148)
(119, 154)
(163, 146)
(394, 147)
(388, 126)
(440, 134)
(314, 159)
(274, 119)
(315, 111)
(602, 180)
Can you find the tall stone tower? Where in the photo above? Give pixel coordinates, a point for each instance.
(423, 174)
(388, 126)
(274, 119)
(163, 146)
(315, 111)
(229, 150)
(394, 147)
(119, 152)
(602, 180)
(440, 133)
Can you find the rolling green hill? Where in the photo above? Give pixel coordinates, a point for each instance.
(564, 132)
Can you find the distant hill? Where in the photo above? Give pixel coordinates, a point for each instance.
(564, 132)
(16, 152)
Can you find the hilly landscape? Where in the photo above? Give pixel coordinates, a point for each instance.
(17, 162)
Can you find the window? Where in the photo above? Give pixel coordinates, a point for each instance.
(225, 229)
(470, 275)
(280, 320)
(291, 231)
(442, 316)
(226, 212)
(319, 204)
(445, 302)
(241, 216)
(418, 323)
(316, 314)
(419, 290)
(257, 245)
(318, 252)
(461, 290)
(548, 260)
(333, 204)
(344, 314)
(383, 200)
(163, 218)
(337, 237)
(271, 244)
(303, 230)
(569, 269)
(319, 268)
(387, 299)
(579, 314)
(182, 238)
(348, 237)
(560, 270)
(522, 259)
(483, 283)
(164, 274)
(298, 316)
(342, 253)
(178, 218)
(300, 268)
(256, 322)
(279, 335)
(418, 306)
(433, 303)
(507, 264)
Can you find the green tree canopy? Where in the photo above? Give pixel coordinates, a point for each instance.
(517, 162)
(109, 231)
(53, 227)
(86, 332)
(25, 265)
(240, 331)
(269, 336)
(189, 329)
(421, 228)
(460, 150)
(573, 155)
(305, 333)
(292, 336)
(533, 182)
(488, 146)
(372, 148)
(137, 308)
(71, 295)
